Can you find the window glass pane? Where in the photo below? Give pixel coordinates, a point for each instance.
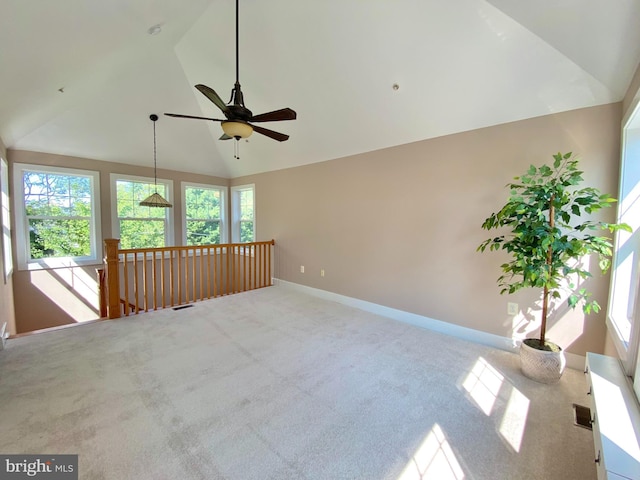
(141, 233)
(202, 203)
(81, 207)
(131, 193)
(59, 238)
(246, 231)
(200, 232)
(246, 205)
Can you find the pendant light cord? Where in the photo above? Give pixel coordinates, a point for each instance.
(155, 174)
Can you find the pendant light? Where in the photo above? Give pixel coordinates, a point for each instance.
(155, 199)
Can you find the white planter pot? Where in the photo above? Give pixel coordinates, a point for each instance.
(541, 365)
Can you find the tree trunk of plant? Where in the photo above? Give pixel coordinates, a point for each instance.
(545, 306)
(545, 293)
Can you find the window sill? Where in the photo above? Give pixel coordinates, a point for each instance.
(54, 263)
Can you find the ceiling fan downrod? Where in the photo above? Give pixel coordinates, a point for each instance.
(236, 93)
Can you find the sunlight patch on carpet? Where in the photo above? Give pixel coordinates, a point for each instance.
(514, 419)
(434, 460)
(483, 385)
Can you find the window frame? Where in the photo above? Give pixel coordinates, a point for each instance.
(23, 244)
(627, 349)
(235, 211)
(5, 219)
(168, 217)
(223, 208)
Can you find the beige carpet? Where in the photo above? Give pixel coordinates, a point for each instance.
(276, 384)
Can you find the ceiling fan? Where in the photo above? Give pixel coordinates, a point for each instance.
(236, 124)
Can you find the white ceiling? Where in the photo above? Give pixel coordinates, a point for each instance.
(460, 65)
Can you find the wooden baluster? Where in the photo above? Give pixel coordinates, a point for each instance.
(244, 269)
(145, 287)
(113, 280)
(193, 274)
(154, 279)
(125, 275)
(255, 266)
(228, 273)
(179, 252)
(171, 279)
(236, 269)
(208, 272)
(186, 275)
(201, 263)
(269, 275)
(136, 289)
(215, 271)
(102, 292)
(162, 278)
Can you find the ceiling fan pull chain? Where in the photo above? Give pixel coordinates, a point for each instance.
(236, 150)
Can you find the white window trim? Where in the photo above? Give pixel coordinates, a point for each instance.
(235, 211)
(223, 208)
(22, 228)
(168, 185)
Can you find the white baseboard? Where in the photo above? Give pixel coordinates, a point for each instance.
(574, 361)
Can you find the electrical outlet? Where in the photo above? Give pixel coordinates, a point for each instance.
(301, 268)
(512, 308)
(322, 272)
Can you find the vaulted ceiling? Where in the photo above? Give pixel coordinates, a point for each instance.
(81, 77)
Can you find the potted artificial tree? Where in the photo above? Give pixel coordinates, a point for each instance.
(547, 242)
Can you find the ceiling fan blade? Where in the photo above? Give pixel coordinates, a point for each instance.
(281, 137)
(213, 96)
(178, 115)
(275, 116)
(225, 137)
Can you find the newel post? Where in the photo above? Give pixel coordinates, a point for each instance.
(113, 276)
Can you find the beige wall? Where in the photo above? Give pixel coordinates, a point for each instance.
(7, 313)
(400, 226)
(631, 97)
(47, 298)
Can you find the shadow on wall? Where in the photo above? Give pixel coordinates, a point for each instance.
(565, 325)
(54, 297)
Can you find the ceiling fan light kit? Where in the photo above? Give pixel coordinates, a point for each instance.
(155, 199)
(237, 130)
(237, 116)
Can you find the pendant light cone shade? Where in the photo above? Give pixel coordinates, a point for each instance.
(237, 129)
(155, 199)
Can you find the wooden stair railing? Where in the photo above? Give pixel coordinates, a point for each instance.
(139, 280)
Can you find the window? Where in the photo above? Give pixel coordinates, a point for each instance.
(136, 226)
(57, 216)
(204, 214)
(242, 210)
(5, 217)
(622, 314)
